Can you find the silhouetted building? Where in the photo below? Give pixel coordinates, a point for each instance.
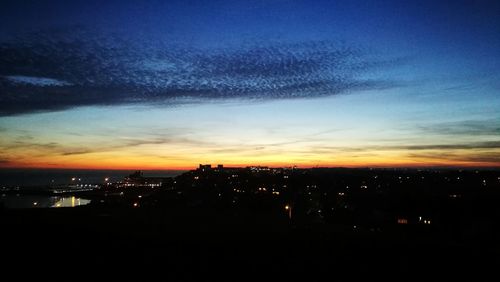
(206, 167)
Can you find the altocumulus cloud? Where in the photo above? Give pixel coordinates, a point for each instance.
(63, 69)
(37, 81)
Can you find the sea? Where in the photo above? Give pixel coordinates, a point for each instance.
(45, 177)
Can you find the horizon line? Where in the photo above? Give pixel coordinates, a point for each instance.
(459, 167)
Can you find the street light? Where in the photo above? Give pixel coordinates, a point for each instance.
(289, 209)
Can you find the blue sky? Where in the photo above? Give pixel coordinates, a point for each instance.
(170, 84)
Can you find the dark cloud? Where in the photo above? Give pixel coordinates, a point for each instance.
(474, 145)
(458, 146)
(155, 139)
(62, 69)
(28, 144)
(477, 157)
(467, 127)
(76, 152)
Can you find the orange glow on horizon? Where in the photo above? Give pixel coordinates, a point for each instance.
(156, 157)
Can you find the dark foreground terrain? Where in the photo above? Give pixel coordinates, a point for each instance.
(181, 234)
(195, 243)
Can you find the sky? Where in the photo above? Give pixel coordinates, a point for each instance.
(171, 84)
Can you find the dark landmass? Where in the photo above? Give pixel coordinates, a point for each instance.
(262, 223)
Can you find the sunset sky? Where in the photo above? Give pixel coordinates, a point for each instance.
(171, 84)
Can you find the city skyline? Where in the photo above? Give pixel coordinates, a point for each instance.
(155, 85)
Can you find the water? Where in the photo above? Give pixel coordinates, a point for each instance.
(37, 201)
(45, 177)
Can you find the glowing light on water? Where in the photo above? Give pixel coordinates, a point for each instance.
(69, 202)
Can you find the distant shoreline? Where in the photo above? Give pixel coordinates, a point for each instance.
(45, 177)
